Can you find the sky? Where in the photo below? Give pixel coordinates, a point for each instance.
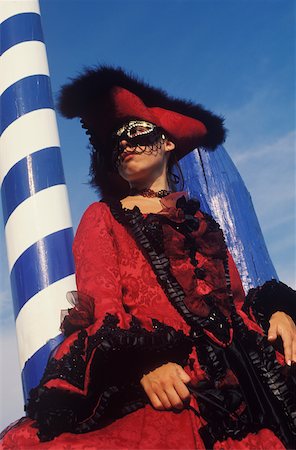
(236, 57)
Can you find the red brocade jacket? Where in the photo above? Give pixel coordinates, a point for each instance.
(152, 289)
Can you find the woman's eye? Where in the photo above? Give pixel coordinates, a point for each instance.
(138, 130)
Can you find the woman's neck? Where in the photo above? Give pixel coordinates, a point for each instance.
(156, 186)
(146, 204)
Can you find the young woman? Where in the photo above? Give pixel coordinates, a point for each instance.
(162, 351)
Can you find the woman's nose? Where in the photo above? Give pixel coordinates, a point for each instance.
(123, 143)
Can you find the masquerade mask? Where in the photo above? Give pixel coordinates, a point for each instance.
(137, 133)
(135, 128)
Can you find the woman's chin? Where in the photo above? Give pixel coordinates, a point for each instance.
(134, 174)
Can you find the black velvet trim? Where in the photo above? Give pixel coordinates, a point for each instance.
(148, 234)
(211, 359)
(264, 397)
(71, 367)
(266, 391)
(276, 385)
(120, 358)
(265, 300)
(115, 402)
(56, 411)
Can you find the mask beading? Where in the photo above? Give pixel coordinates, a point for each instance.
(141, 136)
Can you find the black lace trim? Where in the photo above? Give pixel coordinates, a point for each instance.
(265, 300)
(120, 357)
(278, 382)
(71, 367)
(148, 234)
(265, 397)
(109, 398)
(220, 411)
(211, 359)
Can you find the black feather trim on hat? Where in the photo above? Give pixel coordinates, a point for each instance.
(89, 90)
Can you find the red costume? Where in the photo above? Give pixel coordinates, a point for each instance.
(161, 288)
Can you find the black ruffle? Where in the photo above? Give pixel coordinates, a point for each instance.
(265, 395)
(275, 385)
(265, 300)
(264, 398)
(148, 233)
(120, 357)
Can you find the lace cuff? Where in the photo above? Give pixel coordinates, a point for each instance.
(272, 296)
(107, 366)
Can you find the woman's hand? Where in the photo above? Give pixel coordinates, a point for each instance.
(166, 386)
(283, 325)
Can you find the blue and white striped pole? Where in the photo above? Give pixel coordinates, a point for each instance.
(37, 219)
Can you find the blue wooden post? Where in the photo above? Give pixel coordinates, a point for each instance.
(213, 178)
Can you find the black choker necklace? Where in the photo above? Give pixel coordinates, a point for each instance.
(149, 192)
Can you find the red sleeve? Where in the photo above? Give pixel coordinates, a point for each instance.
(96, 263)
(95, 373)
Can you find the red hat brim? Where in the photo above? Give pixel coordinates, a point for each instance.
(186, 133)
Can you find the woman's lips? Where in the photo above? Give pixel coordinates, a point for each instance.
(127, 156)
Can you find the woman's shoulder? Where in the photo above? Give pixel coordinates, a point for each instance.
(98, 208)
(95, 221)
(96, 214)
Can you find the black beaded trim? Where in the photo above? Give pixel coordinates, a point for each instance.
(150, 239)
(164, 344)
(278, 380)
(277, 392)
(269, 370)
(71, 367)
(56, 412)
(121, 358)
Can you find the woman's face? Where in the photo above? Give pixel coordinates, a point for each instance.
(141, 151)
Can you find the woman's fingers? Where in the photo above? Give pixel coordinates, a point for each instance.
(173, 395)
(287, 343)
(272, 331)
(165, 388)
(174, 398)
(164, 400)
(294, 349)
(182, 391)
(281, 324)
(183, 375)
(155, 401)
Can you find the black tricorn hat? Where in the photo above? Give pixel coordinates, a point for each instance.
(105, 97)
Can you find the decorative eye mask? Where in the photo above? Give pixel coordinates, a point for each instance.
(137, 133)
(135, 128)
